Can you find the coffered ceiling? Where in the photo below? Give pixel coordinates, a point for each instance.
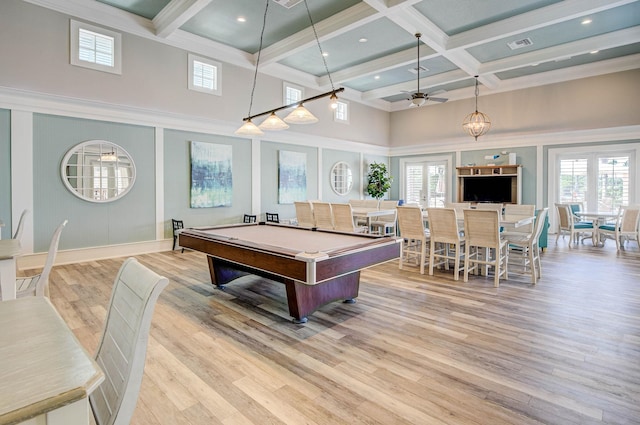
(371, 48)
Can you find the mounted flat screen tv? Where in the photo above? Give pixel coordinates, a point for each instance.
(488, 189)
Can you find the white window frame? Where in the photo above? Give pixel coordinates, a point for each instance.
(633, 149)
(342, 104)
(427, 159)
(217, 90)
(285, 86)
(75, 27)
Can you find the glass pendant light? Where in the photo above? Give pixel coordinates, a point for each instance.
(301, 115)
(273, 123)
(249, 129)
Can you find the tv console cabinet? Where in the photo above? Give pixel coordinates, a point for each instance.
(499, 183)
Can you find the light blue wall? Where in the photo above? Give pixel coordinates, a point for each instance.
(129, 219)
(269, 176)
(329, 158)
(525, 156)
(5, 172)
(177, 180)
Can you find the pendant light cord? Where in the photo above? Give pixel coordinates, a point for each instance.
(255, 75)
(418, 35)
(477, 93)
(326, 68)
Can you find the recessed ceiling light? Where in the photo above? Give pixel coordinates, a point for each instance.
(363, 40)
(241, 19)
(325, 54)
(593, 52)
(377, 77)
(586, 21)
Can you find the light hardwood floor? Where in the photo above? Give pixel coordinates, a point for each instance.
(413, 350)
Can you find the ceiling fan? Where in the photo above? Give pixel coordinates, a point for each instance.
(418, 98)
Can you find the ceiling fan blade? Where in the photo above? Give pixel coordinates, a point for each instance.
(437, 99)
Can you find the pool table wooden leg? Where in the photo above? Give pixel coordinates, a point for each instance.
(222, 273)
(305, 299)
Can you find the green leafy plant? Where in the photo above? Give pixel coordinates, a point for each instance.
(378, 180)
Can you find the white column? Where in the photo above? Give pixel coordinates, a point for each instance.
(159, 155)
(22, 174)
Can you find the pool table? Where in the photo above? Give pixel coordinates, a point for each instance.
(316, 266)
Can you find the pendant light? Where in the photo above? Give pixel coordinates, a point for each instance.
(300, 115)
(476, 124)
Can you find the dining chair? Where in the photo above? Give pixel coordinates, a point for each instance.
(249, 218)
(524, 250)
(323, 215)
(177, 226)
(304, 214)
(483, 244)
(458, 207)
(38, 285)
(415, 236)
(123, 347)
(524, 210)
(272, 218)
(343, 219)
(445, 233)
(625, 228)
(493, 206)
(568, 225)
(386, 224)
(18, 234)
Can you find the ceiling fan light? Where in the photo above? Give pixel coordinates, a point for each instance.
(301, 115)
(476, 124)
(273, 123)
(417, 101)
(249, 129)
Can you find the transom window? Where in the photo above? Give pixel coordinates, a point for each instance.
(95, 48)
(204, 75)
(292, 93)
(341, 113)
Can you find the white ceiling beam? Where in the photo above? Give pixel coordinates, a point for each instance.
(394, 60)
(175, 14)
(409, 86)
(564, 51)
(338, 24)
(546, 16)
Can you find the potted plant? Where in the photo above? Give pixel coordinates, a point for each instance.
(378, 180)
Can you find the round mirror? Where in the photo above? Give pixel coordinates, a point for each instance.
(98, 171)
(341, 178)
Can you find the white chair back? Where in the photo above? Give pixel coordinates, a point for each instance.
(18, 234)
(323, 215)
(343, 218)
(304, 214)
(122, 350)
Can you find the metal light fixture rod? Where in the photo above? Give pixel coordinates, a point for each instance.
(310, 99)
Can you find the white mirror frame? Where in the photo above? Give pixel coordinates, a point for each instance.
(80, 163)
(341, 178)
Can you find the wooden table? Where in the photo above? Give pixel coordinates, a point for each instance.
(598, 218)
(9, 250)
(316, 266)
(368, 213)
(45, 373)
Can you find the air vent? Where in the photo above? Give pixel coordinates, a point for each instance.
(288, 3)
(519, 44)
(414, 70)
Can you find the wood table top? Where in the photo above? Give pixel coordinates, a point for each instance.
(42, 365)
(9, 248)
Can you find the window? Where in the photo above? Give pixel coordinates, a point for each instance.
(292, 93)
(95, 48)
(205, 75)
(424, 181)
(341, 113)
(600, 181)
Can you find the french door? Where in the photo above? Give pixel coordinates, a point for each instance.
(426, 181)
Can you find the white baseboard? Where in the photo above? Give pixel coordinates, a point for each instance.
(31, 261)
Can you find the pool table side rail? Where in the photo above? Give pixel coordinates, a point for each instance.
(284, 263)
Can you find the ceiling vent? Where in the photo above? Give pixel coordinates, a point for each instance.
(414, 70)
(519, 44)
(288, 3)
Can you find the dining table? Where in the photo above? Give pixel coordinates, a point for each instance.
(9, 250)
(506, 221)
(598, 218)
(46, 375)
(369, 213)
